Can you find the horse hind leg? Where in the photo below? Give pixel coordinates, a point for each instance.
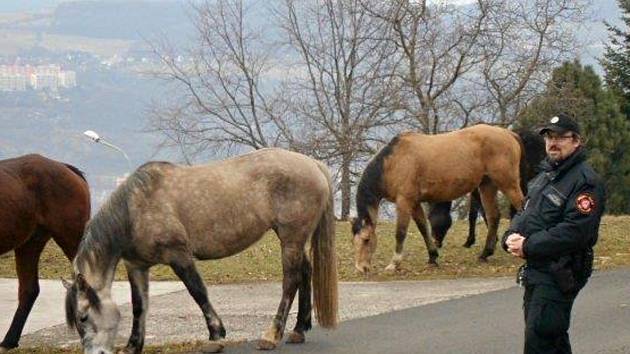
(292, 277)
(304, 321)
(473, 212)
(185, 269)
(488, 193)
(139, 281)
(421, 223)
(26, 263)
(440, 221)
(68, 238)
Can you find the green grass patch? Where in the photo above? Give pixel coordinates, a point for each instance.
(261, 262)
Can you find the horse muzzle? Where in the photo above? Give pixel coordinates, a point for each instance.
(363, 268)
(97, 350)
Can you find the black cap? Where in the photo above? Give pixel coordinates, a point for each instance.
(560, 123)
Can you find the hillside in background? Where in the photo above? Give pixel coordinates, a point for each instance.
(121, 19)
(111, 97)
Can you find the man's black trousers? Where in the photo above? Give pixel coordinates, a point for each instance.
(547, 317)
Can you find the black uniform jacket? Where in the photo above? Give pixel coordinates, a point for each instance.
(561, 215)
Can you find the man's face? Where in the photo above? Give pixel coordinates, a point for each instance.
(559, 146)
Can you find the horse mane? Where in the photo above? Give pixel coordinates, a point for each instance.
(370, 188)
(76, 171)
(108, 233)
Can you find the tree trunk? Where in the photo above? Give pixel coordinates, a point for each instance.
(345, 186)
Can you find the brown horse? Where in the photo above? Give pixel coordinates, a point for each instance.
(40, 199)
(415, 168)
(169, 214)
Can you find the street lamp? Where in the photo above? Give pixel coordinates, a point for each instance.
(97, 139)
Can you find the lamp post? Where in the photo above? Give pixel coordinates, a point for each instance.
(97, 139)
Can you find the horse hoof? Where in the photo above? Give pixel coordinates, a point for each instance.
(392, 267)
(296, 338)
(217, 333)
(433, 264)
(264, 344)
(484, 256)
(468, 244)
(213, 348)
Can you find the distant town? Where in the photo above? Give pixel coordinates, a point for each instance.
(39, 77)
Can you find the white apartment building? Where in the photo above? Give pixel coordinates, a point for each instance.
(19, 77)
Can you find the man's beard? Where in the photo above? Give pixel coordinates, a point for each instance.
(555, 155)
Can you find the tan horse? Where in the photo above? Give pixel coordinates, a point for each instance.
(169, 214)
(415, 168)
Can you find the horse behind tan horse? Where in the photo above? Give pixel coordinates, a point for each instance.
(169, 214)
(415, 168)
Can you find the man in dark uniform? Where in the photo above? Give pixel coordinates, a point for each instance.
(555, 234)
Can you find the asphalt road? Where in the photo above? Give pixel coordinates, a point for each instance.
(246, 309)
(488, 323)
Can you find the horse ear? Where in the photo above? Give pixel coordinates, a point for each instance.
(66, 284)
(82, 285)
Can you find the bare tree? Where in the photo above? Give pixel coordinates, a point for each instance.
(477, 63)
(437, 43)
(346, 81)
(225, 90)
(521, 44)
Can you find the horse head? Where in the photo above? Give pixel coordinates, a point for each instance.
(94, 316)
(364, 239)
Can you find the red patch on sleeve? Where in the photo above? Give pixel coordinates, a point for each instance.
(585, 203)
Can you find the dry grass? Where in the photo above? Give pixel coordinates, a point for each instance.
(262, 262)
(179, 348)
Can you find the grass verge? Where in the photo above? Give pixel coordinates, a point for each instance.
(261, 262)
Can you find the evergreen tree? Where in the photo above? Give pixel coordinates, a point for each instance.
(578, 91)
(616, 60)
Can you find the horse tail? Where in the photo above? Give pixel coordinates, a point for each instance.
(76, 171)
(324, 258)
(521, 169)
(86, 191)
(522, 161)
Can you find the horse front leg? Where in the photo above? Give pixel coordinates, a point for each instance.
(292, 255)
(421, 223)
(186, 271)
(402, 224)
(139, 281)
(26, 262)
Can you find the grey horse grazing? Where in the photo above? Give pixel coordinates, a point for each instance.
(170, 214)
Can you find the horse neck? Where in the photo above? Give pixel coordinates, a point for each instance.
(98, 268)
